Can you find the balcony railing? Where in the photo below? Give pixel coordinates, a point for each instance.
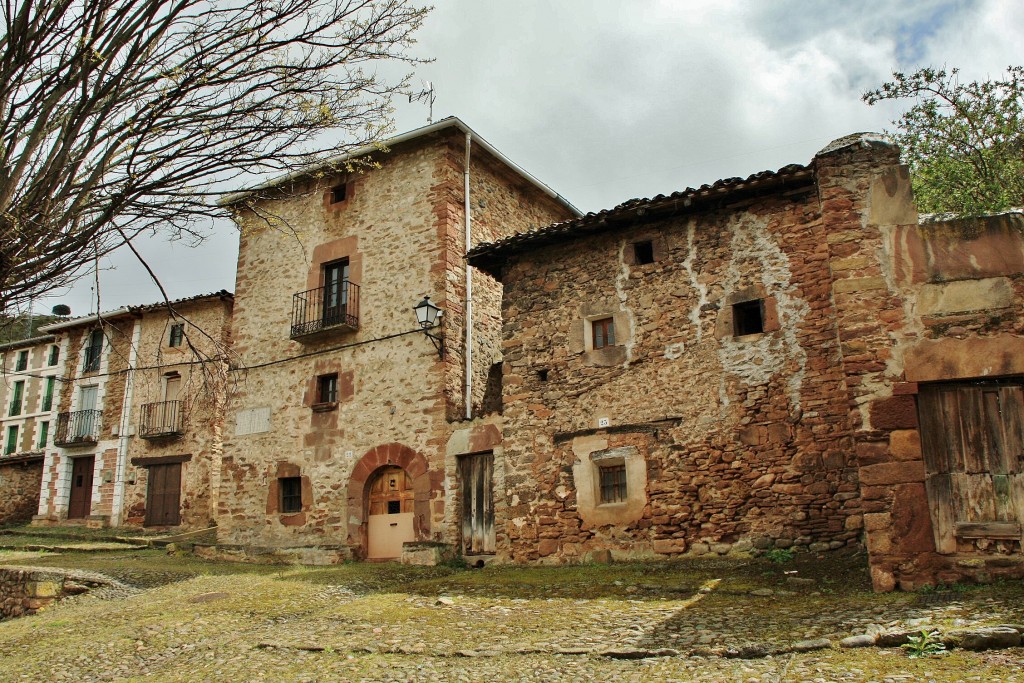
(79, 427)
(331, 308)
(161, 420)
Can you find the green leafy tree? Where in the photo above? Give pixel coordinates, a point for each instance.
(964, 142)
(122, 117)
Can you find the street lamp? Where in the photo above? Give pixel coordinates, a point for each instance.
(429, 316)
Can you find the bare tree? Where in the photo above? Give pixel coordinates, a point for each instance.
(119, 117)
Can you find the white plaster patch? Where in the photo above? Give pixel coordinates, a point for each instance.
(620, 292)
(700, 287)
(562, 492)
(756, 360)
(674, 351)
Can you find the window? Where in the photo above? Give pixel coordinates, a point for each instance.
(542, 374)
(16, 397)
(339, 193)
(48, 394)
(22, 362)
(604, 333)
(643, 252)
(613, 483)
(327, 389)
(335, 295)
(12, 440)
(177, 334)
(93, 351)
(291, 494)
(748, 317)
(54, 355)
(44, 434)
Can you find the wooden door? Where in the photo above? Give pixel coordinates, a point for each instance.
(476, 474)
(390, 518)
(972, 438)
(80, 503)
(163, 495)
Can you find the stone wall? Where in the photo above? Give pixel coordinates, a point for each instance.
(20, 479)
(727, 440)
(922, 305)
(26, 591)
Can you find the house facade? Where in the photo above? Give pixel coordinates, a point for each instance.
(29, 397)
(789, 360)
(137, 438)
(349, 430)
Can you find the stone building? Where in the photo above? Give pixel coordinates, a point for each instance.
(742, 366)
(348, 430)
(28, 401)
(138, 438)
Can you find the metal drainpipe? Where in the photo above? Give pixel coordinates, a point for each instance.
(122, 430)
(469, 290)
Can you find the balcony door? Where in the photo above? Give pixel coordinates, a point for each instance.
(335, 292)
(85, 425)
(167, 419)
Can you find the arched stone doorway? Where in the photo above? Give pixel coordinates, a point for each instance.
(403, 492)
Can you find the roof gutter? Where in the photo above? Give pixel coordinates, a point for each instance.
(235, 197)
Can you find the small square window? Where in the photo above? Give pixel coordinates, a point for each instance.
(327, 388)
(643, 252)
(748, 317)
(177, 334)
(54, 355)
(604, 332)
(339, 193)
(542, 374)
(22, 362)
(613, 483)
(291, 494)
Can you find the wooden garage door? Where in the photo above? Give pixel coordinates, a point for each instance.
(972, 437)
(163, 495)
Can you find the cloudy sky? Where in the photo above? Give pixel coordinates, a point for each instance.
(605, 100)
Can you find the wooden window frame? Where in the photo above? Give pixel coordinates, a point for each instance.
(11, 440)
(17, 399)
(21, 364)
(603, 332)
(290, 489)
(339, 193)
(54, 356)
(44, 433)
(48, 394)
(327, 388)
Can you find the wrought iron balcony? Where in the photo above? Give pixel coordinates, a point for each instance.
(163, 419)
(77, 428)
(326, 309)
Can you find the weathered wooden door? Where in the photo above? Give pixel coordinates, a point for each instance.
(80, 503)
(476, 474)
(390, 518)
(163, 495)
(972, 437)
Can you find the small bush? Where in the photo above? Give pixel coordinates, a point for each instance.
(780, 555)
(927, 644)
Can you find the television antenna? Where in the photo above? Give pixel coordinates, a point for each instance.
(426, 95)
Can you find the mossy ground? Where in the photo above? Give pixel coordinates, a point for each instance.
(217, 621)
